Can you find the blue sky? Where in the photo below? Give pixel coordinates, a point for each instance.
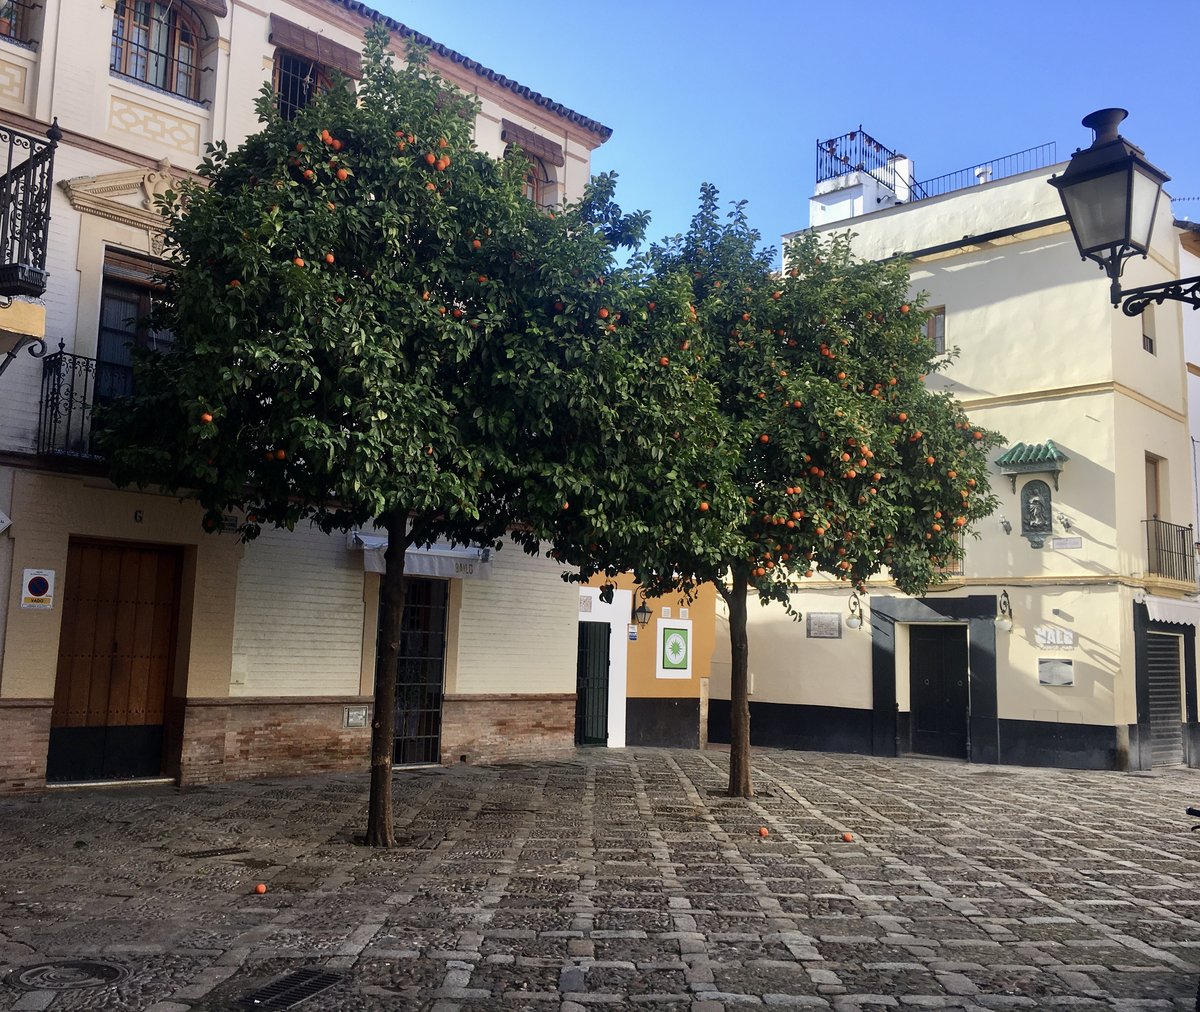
(737, 93)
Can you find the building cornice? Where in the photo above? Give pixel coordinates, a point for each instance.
(1079, 390)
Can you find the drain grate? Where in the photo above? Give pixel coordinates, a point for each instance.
(68, 975)
(216, 852)
(291, 990)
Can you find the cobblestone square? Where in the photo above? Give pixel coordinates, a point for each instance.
(615, 879)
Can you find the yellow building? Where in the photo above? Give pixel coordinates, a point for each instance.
(132, 644)
(1067, 637)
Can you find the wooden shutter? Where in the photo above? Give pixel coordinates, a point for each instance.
(304, 42)
(532, 144)
(217, 7)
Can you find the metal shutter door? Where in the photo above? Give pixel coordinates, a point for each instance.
(1166, 706)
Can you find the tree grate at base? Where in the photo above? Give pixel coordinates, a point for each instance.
(292, 989)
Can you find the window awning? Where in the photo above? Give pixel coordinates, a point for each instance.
(1172, 609)
(440, 560)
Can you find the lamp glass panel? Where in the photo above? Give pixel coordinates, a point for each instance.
(1097, 209)
(1143, 202)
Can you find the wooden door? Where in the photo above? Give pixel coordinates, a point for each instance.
(939, 689)
(116, 659)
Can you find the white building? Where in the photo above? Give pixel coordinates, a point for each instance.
(1068, 637)
(132, 644)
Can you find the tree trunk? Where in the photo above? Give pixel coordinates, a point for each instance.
(383, 726)
(740, 783)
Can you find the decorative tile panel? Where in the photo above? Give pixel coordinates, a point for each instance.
(154, 125)
(12, 82)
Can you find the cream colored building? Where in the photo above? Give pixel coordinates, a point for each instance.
(1068, 637)
(131, 643)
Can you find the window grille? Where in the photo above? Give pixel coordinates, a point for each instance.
(297, 80)
(158, 44)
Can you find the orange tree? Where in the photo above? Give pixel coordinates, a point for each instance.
(845, 461)
(372, 324)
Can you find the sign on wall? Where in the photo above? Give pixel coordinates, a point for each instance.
(674, 648)
(824, 625)
(37, 589)
(1056, 671)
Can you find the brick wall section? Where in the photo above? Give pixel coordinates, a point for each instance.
(501, 727)
(25, 732)
(234, 739)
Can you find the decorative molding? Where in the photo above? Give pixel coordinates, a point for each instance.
(13, 77)
(153, 125)
(98, 195)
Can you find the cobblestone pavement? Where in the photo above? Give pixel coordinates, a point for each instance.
(623, 879)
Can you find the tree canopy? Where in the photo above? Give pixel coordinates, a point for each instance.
(846, 462)
(372, 323)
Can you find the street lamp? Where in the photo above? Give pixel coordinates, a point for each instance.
(1110, 194)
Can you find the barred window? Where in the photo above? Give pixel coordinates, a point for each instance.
(158, 44)
(296, 81)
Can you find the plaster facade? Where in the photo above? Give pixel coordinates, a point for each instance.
(272, 643)
(1099, 608)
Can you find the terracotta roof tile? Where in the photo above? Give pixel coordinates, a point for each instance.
(355, 7)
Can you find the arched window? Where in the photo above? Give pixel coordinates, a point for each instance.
(158, 44)
(538, 182)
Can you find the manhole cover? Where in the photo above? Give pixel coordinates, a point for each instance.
(68, 975)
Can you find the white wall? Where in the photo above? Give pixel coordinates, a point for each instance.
(299, 616)
(519, 630)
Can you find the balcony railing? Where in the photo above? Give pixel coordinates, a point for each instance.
(1171, 550)
(72, 386)
(25, 210)
(860, 152)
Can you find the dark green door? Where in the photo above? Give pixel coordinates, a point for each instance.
(591, 685)
(939, 689)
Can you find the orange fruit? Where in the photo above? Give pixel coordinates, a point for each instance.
(299, 261)
(904, 309)
(430, 158)
(329, 258)
(704, 507)
(763, 831)
(475, 244)
(281, 454)
(777, 295)
(309, 174)
(260, 888)
(764, 438)
(235, 283)
(602, 313)
(342, 175)
(848, 837)
(902, 416)
(206, 418)
(664, 361)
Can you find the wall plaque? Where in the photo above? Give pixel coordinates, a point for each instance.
(825, 625)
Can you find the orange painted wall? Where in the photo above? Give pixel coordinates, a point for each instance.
(702, 611)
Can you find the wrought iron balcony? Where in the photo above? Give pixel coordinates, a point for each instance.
(1171, 550)
(72, 386)
(25, 210)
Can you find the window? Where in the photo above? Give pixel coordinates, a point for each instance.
(934, 329)
(129, 293)
(538, 183)
(296, 81)
(14, 18)
(1148, 332)
(158, 44)
(304, 64)
(543, 156)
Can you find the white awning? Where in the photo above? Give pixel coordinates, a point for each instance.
(1173, 609)
(441, 560)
